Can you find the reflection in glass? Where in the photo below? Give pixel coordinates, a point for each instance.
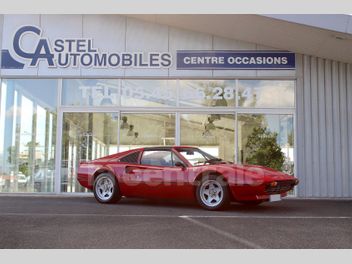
(266, 140)
(137, 130)
(265, 93)
(210, 93)
(148, 93)
(85, 136)
(196, 157)
(90, 92)
(27, 135)
(213, 133)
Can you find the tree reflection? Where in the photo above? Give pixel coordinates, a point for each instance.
(262, 149)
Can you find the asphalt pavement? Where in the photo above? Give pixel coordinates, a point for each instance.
(81, 222)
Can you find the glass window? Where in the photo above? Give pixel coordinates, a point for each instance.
(176, 159)
(141, 130)
(131, 158)
(210, 93)
(213, 133)
(90, 92)
(267, 140)
(85, 136)
(148, 93)
(198, 157)
(27, 135)
(194, 157)
(266, 93)
(157, 158)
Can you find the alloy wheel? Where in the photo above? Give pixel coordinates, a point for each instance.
(104, 188)
(211, 193)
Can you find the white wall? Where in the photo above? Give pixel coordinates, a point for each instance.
(324, 127)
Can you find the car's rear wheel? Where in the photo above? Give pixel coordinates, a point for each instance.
(212, 193)
(106, 189)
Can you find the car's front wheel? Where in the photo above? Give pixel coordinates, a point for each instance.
(106, 189)
(212, 193)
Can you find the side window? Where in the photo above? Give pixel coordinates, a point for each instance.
(175, 159)
(157, 158)
(193, 156)
(131, 158)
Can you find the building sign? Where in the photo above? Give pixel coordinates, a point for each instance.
(234, 60)
(29, 48)
(74, 52)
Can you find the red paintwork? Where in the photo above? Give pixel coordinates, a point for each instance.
(246, 182)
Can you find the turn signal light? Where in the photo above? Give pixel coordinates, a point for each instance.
(273, 184)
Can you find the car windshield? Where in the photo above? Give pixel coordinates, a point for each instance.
(197, 157)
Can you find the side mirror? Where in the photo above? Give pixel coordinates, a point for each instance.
(180, 164)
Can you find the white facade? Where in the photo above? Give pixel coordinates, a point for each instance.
(116, 33)
(323, 100)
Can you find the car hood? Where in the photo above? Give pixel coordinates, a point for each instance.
(255, 172)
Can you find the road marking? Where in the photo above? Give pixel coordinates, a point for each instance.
(268, 217)
(178, 216)
(230, 236)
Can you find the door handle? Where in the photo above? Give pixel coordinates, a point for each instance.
(129, 170)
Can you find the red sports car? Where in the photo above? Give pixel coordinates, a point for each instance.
(181, 172)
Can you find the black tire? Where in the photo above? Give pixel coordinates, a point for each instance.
(115, 191)
(225, 197)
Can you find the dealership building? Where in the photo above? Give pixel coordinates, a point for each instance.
(79, 87)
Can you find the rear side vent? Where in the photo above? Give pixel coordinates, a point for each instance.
(130, 158)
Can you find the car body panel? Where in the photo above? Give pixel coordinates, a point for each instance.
(245, 182)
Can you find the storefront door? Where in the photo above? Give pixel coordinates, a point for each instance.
(85, 137)
(212, 132)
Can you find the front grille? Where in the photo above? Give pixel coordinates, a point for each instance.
(281, 187)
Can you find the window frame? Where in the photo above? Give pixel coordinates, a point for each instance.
(177, 110)
(131, 153)
(173, 153)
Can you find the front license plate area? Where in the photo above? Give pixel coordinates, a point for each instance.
(275, 198)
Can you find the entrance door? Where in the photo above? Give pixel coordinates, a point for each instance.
(213, 133)
(85, 136)
(146, 129)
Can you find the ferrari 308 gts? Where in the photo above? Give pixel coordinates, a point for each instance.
(182, 172)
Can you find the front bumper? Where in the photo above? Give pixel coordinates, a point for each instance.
(263, 190)
(277, 187)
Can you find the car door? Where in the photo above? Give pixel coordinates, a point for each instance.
(156, 176)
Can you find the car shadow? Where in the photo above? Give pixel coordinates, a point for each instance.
(234, 207)
(157, 203)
